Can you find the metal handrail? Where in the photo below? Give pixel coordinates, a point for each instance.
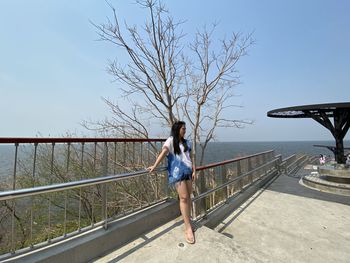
(231, 161)
(296, 163)
(267, 159)
(4, 140)
(25, 192)
(102, 157)
(13, 194)
(231, 181)
(284, 161)
(267, 163)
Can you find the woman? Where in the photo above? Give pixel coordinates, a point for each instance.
(180, 172)
(347, 162)
(322, 159)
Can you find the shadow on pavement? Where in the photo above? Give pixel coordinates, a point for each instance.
(146, 241)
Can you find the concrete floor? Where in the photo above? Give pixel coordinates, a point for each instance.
(286, 222)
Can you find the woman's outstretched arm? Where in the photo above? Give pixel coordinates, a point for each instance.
(161, 156)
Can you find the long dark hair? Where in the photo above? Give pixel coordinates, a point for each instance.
(175, 132)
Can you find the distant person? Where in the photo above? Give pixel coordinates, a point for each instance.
(322, 159)
(347, 162)
(180, 172)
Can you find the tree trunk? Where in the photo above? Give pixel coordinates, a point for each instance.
(339, 151)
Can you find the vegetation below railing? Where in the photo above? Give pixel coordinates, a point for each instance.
(38, 162)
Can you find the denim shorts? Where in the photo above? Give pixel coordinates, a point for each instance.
(183, 177)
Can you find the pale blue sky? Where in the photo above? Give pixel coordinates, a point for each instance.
(53, 71)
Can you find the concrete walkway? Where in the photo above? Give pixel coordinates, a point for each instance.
(286, 222)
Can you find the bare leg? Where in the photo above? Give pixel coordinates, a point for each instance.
(184, 190)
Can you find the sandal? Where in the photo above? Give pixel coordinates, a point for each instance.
(190, 240)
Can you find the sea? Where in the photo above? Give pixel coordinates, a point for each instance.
(216, 151)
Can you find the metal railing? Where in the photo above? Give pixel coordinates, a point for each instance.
(63, 186)
(230, 177)
(53, 158)
(294, 162)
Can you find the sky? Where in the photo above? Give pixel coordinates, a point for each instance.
(53, 68)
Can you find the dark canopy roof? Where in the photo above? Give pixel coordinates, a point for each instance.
(340, 112)
(304, 111)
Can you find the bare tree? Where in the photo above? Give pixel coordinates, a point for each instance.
(172, 78)
(153, 73)
(211, 76)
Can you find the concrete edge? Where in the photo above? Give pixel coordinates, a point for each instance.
(341, 173)
(217, 216)
(98, 242)
(327, 187)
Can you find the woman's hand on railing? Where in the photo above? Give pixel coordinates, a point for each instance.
(194, 176)
(151, 168)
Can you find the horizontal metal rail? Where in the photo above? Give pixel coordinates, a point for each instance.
(295, 165)
(231, 160)
(254, 164)
(288, 159)
(63, 185)
(5, 140)
(14, 194)
(232, 181)
(233, 176)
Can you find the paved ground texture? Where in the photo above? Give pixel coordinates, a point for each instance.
(286, 222)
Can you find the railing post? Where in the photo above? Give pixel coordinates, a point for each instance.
(239, 172)
(32, 198)
(165, 187)
(264, 158)
(249, 169)
(141, 154)
(223, 180)
(13, 233)
(115, 158)
(13, 237)
(104, 186)
(49, 199)
(76, 166)
(193, 211)
(15, 167)
(279, 164)
(200, 185)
